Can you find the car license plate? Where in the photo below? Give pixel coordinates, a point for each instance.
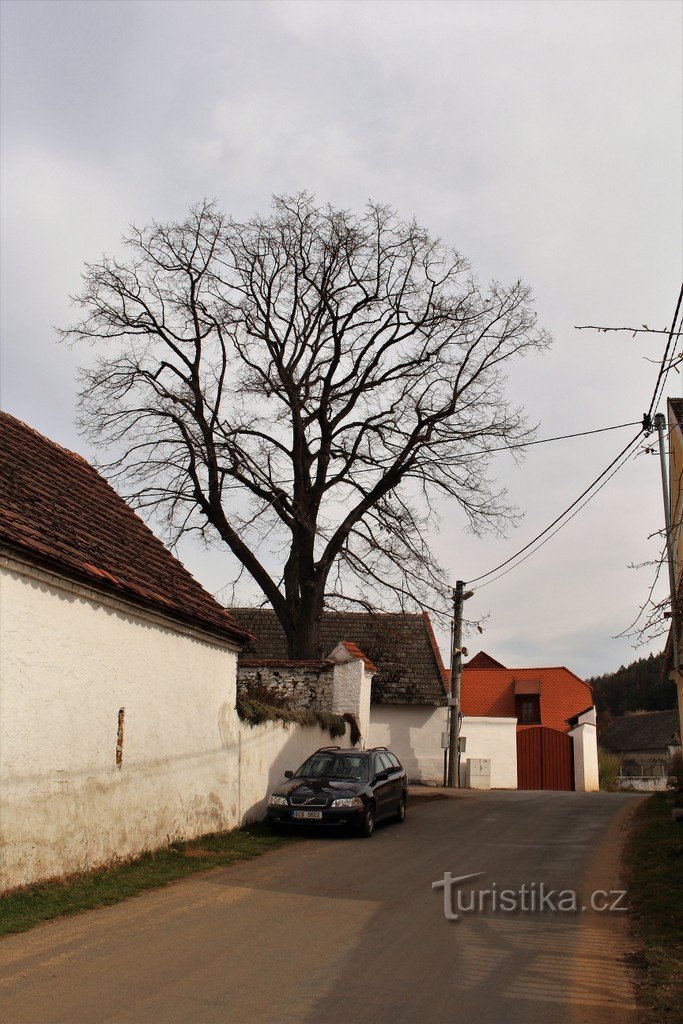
(314, 815)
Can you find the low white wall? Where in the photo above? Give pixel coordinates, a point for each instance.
(496, 739)
(413, 732)
(69, 664)
(643, 783)
(266, 752)
(586, 775)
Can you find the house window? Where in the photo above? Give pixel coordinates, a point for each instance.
(529, 710)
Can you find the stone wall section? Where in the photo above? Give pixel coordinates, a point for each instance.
(304, 687)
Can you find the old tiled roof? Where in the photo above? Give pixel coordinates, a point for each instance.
(58, 512)
(654, 730)
(676, 405)
(401, 646)
(491, 692)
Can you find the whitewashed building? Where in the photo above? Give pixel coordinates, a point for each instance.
(118, 729)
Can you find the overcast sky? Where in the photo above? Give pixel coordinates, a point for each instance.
(543, 140)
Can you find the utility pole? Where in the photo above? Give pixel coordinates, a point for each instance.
(660, 424)
(459, 598)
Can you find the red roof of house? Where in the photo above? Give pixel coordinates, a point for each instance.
(490, 691)
(57, 511)
(483, 660)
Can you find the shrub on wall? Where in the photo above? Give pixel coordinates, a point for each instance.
(256, 713)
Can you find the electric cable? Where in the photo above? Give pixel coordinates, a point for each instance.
(663, 372)
(562, 515)
(563, 523)
(592, 489)
(547, 440)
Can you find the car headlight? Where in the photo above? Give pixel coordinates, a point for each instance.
(277, 801)
(347, 801)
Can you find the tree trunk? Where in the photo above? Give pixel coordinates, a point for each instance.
(305, 641)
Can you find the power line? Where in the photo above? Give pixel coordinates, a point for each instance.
(562, 515)
(561, 525)
(590, 492)
(547, 440)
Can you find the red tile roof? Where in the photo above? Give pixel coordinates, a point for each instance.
(491, 692)
(483, 660)
(355, 650)
(56, 510)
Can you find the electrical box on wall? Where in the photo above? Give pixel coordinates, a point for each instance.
(478, 773)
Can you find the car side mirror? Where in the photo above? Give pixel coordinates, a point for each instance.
(384, 774)
(289, 775)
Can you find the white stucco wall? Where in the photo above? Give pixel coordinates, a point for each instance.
(586, 775)
(266, 752)
(413, 732)
(69, 663)
(351, 687)
(496, 739)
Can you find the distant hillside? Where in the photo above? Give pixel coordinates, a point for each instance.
(636, 687)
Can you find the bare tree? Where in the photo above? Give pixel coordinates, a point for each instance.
(302, 386)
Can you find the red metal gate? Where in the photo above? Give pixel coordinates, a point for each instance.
(545, 759)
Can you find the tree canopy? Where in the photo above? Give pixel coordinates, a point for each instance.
(301, 387)
(640, 686)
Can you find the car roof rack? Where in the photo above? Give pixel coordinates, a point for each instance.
(378, 748)
(336, 747)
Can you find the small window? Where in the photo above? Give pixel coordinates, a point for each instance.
(529, 710)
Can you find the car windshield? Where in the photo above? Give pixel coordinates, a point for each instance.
(331, 765)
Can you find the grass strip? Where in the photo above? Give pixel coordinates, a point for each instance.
(24, 908)
(654, 867)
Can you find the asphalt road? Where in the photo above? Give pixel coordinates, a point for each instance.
(351, 930)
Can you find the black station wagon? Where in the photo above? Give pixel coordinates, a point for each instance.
(340, 787)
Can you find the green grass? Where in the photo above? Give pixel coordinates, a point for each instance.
(654, 865)
(26, 907)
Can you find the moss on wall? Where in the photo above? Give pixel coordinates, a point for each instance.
(255, 713)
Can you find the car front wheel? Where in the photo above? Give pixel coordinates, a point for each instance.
(367, 826)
